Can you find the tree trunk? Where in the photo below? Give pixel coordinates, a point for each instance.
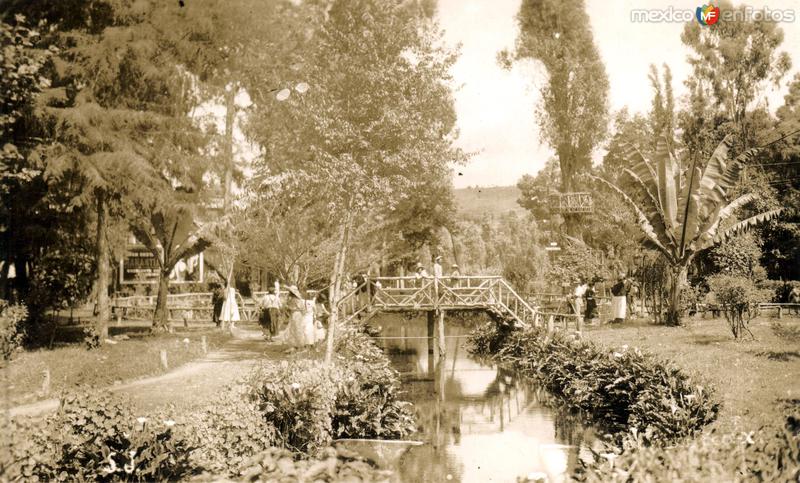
(336, 285)
(102, 279)
(230, 110)
(161, 315)
(676, 283)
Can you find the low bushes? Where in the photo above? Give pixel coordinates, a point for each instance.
(357, 397)
(93, 438)
(621, 389)
(298, 406)
(770, 454)
(226, 432)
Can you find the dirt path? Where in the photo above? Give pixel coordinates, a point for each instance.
(189, 384)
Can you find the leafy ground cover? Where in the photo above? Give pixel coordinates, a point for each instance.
(646, 380)
(274, 424)
(621, 389)
(73, 365)
(753, 379)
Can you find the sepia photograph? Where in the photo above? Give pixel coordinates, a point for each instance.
(400, 241)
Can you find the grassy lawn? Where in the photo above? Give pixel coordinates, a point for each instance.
(753, 379)
(72, 364)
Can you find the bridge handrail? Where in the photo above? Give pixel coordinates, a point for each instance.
(514, 292)
(443, 277)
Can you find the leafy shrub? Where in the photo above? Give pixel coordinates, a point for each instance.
(357, 397)
(621, 389)
(227, 431)
(94, 438)
(12, 332)
(368, 402)
(739, 298)
(769, 454)
(780, 289)
(297, 398)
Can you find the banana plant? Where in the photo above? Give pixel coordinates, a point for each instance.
(682, 213)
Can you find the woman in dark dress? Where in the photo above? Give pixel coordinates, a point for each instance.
(591, 302)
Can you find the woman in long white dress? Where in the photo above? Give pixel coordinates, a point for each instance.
(300, 329)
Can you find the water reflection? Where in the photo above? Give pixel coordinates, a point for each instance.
(480, 422)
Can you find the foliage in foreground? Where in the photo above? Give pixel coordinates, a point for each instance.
(255, 429)
(94, 438)
(620, 389)
(357, 397)
(769, 454)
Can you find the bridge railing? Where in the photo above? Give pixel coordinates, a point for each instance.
(428, 293)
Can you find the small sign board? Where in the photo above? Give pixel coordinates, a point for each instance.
(140, 266)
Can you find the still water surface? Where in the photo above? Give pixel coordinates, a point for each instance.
(479, 422)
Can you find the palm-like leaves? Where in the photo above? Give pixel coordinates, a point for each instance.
(681, 215)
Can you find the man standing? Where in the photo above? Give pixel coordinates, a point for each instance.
(272, 305)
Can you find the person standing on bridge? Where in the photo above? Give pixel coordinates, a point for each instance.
(421, 273)
(455, 273)
(437, 267)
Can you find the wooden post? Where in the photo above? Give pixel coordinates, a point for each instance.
(431, 352)
(164, 363)
(780, 312)
(46, 382)
(550, 324)
(432, 337)
(204, 344)
(579, 326)
(442, 346)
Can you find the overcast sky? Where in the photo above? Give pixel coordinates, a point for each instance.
(495, 107)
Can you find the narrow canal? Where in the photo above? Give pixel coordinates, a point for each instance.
(479, 422)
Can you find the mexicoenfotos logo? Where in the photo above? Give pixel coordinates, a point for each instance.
(710, 14)
(707, 14)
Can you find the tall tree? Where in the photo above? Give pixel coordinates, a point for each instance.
(573, 113)
(377, 120)
(123, 122)
(732, 63)
(23, 187)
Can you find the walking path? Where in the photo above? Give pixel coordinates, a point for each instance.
(188, 384)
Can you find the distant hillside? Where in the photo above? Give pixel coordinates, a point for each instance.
(495, 200)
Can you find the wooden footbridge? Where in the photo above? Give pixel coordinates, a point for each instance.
(491, 294)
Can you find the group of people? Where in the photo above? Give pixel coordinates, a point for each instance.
(297, 321)
(585, 298)
(421, 272)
